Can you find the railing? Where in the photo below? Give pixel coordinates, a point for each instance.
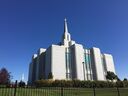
(62, 91)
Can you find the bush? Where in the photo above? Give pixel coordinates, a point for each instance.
(43, 83)
(125, 83)
(111, 84)
(120, 84)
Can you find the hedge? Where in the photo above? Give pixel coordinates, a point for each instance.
(78, 83)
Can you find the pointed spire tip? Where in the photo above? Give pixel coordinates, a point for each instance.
(65, 26)
(65, 20)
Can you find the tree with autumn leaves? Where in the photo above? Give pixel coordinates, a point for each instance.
(5, 77)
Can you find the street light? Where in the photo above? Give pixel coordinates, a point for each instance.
(83, 69)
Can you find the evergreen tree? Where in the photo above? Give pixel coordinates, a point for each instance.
(125, 79)
(50, 76)
(111, 76)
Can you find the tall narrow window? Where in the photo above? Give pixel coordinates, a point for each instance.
(68, 65)
(88, 65)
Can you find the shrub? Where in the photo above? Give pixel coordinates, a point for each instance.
(120, 84)
(125, 83)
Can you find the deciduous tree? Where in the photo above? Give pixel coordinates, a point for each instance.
(5, 76)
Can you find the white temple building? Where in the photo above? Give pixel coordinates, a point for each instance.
(69, 60)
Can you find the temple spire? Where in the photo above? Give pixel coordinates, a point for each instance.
(65, 26)
(66, 38)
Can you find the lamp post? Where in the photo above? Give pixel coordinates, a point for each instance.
(83, 69)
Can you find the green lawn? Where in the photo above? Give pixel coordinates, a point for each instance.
(66, 92)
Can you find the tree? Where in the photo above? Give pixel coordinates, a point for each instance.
(5, 76)
(50, 76)
(111, 76)
(125, 79)
(21, 84)
(118, 79)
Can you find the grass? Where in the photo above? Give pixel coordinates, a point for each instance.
(52, 91)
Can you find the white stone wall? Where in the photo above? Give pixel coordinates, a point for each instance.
(79, 58)
(58, 63)
(33, 68)
(71, 43)
(48, 62)
(37, 68)
(30, 73)
(98, 64)
(108, 59)
(40, 51)
(66, 43)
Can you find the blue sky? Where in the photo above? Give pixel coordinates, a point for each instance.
(27, 25)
